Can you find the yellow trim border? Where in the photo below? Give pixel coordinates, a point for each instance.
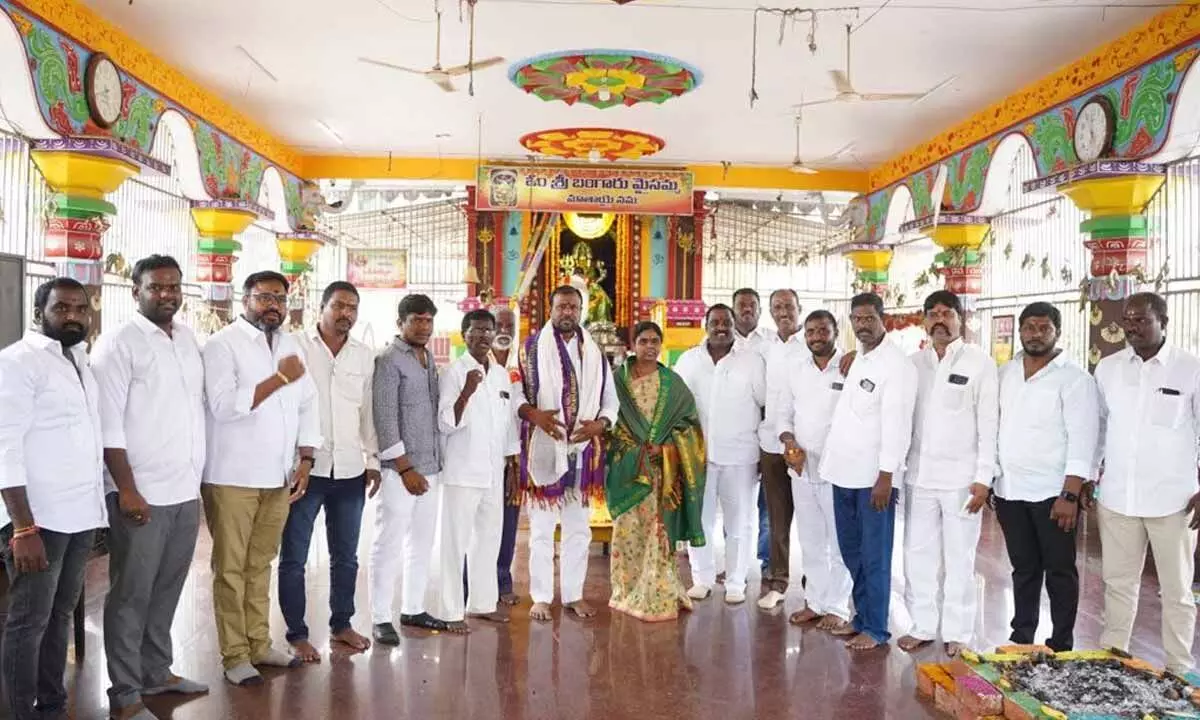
(1160, 34)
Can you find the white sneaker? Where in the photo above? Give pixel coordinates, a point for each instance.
(699, 592)
(733, 597)
(770, 600)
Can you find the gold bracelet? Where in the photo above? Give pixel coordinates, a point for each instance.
(286, 380)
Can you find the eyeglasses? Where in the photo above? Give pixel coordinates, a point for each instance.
(269, 299)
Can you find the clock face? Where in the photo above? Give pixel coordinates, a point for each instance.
(1093, 131)
(105, 92)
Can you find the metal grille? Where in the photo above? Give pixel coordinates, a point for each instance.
(767, 250)
(434, 234)
(1174, 251)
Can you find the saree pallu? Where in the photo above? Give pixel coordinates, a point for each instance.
(654, 488)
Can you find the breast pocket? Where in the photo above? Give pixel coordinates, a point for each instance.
(955, 398)
(350, 385)
(864, 402)
(1166, 410)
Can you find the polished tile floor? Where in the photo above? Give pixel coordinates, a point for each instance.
(717, 662)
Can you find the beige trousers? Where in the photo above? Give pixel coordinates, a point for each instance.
(246, 525)
(1123, 542)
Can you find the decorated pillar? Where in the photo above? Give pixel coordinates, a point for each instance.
(217, 222)
(296, 249)
(960, 263)
(1114, 195)
(871, 263)
(81, 173)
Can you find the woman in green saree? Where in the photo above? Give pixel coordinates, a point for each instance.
(655, 482)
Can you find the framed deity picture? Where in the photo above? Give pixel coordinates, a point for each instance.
(12, 299)
(1003, 327)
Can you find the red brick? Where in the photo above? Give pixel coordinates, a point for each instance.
(946, 701)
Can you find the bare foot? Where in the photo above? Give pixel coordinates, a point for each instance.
(835, 625)
(510, 599)
(908, 643)
(457, 627)
(805, 616)
(581, 609)
(954, 648)
(862, 642)
(496, 616)
(304, 650)
(352, 638)
(541, 612)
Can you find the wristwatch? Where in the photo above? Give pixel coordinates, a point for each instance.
(1069, 496)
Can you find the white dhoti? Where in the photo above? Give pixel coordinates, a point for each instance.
(575, 515)
(472, 521)
(829, 585)
(734, 486)
(940, 539)
(405, 531)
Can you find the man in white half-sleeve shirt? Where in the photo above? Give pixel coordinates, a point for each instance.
(1150, 395)
(1049, 429)
(729, 386)
(949, 476)
(476, 411)
(344, 475)
(151, 383)
(803, 415)
(263, 431)
(748, 334)
(52, 482)
(864, 456)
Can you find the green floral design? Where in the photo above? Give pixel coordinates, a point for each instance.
(1053, 149)
(965, 182)
(291, 198)
(877, 209)
(1149, 103)
(138, 126)
(52, 75)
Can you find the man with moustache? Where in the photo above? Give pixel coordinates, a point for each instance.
(345, 471)
(52, 483)
(1049, 429)
(803, 414)
(476, 410)
(949, 475)
(404, 393)
(782, 350)
(264, 428)
(151, 381)
(502, 354)
(570, 402)
(868, 441)
(747, 308)
(1150, 397)
(728, 383)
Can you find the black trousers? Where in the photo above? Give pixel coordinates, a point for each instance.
(1038, 548)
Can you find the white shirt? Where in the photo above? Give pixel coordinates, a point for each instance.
(152, 407)
(255, 448)
(955, 420)
(872, 423)
(1151, 413)
(781, 358)
(517, 392)
(343, 383)
(50, 441)
(729, 396)
(807, 399)
(477, 445)
(1049, 428)
(757, 340)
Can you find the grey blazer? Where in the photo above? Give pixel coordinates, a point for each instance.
(406, 399)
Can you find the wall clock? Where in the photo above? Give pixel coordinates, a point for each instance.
(102, 85)
(1094, 129)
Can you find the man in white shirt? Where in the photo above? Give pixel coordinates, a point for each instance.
(345, 472)
(570, 402)
(151, 382)
(52, 483)
(262, 414)
(1049, 429)
(804, 412)
(1150, 396)
(782, 351)
(728, 383)
(864, 453)
(949, 476)
(747, 333)
(476, 410)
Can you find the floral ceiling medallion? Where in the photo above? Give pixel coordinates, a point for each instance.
(604, 78)
(592, 144)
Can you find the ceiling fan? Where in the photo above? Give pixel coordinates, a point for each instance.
(847, 94)
(439, 75)
(799, 167)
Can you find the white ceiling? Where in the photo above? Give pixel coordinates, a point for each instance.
(993, 47)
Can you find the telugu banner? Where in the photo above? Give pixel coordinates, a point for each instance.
(546, 188)
(377, 268)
